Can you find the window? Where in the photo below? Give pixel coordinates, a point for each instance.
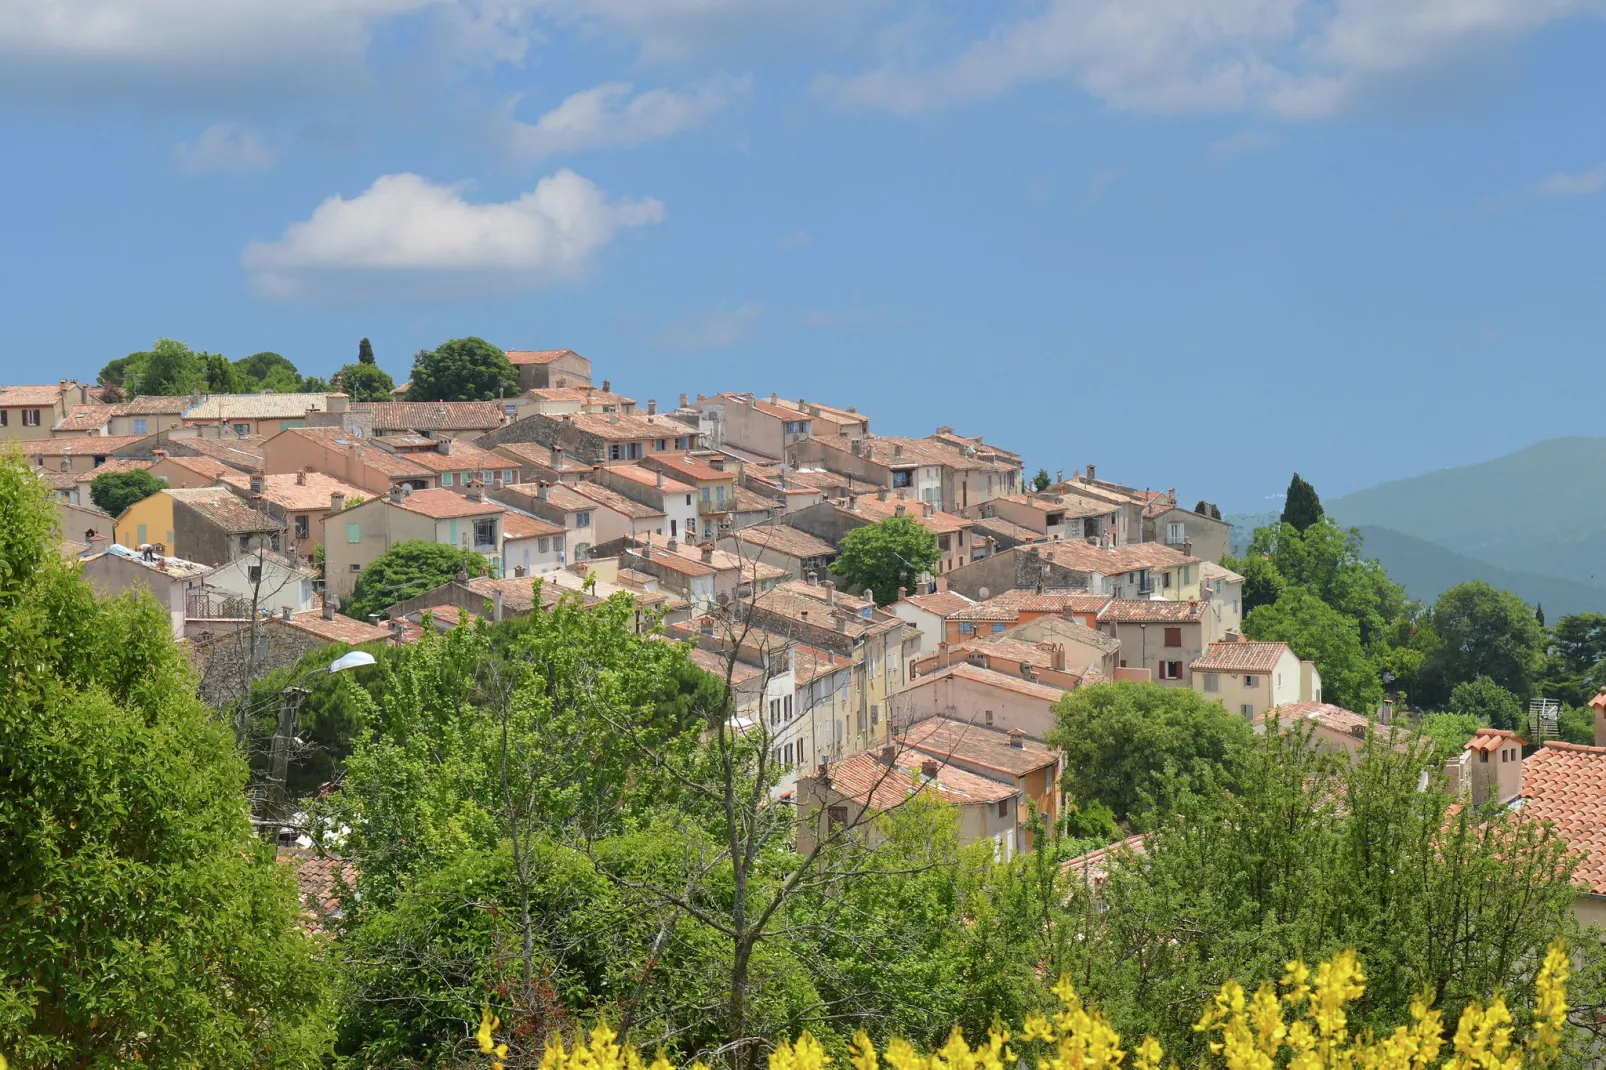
(242, 429)
(775, 711)
(557, 543)
(4, 415)
(507, 475)
(1173, 637)
(245, 544)
(543, 544)
(1212, 682)
(1187, 575)
(786, 707)
(688, 499)
(485, 476)
(139, 425)
(1165, 579)
(254, 573)
(614, 452)
(353, 533)
(1173, 533)
(661, 445)
(484, 533)
(582, 520)
(1003, 808)
(30, 417)
(998, 626)
(139, 536)
(672, 531)
(860, 722)
(836, 815)
(966, 628)
(1171, 670)
(634, 451)
(789, 754)
(303, 526)
(446, 479)
(1251, 681)
(1247, 709)
(875, 716)
(707, 494)
(989, 717)
(902, 479)
(683, 443)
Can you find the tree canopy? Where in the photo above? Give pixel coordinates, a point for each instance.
(270, 371)
(144, 923)
(462, 369)
(365, 352)
(1317, 632)
(365, 382)
(1489, 703)
(1127, 744)
(885, 556)
(407, 570)
(1482, 631)
(1301, 507)
(1041, 481)
(112, 492)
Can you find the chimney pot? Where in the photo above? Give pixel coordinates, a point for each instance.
(301, 478)
(328, 606)
(881, 494)
(1090, 476)
(888, 756)
(928, 768)
(337, 500)
(444, 447)
(397, 492)
(543, 491)
(684, 401)
(708, 554)
(607, 386)
(1017, 739)
(256, 481)
(900, 509)
(652, 406)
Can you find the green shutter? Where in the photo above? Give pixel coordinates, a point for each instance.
(451, 535)
(139, 536)
(353, 533)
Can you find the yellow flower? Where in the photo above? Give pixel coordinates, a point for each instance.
(490, 1023)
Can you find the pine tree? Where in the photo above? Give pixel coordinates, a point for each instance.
(1302, 507)
(365, 352)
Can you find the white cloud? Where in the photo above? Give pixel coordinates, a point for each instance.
(224, 147)
(709, 330)
(1241, 142)
(185, 52)
(407, 237)
(1290, 57)
(670, 30)
(1573, 184)
(796, 239)
(609, 116)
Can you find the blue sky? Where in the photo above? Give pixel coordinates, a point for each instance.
(1200, 243)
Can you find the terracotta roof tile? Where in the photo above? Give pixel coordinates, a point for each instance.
(156, 405)
(340, 630)
(948, 738)
(432, 415)
(283, 490)
(609, 498)
(647, 477)
(870, 507)
(690, 468)
(225, 509)
(255, 406)
(518, 357)
(81, 445)
(243, 453)
(27, 395)
(1152, 610)
(1564, 785)
(1243, 656)
(865, 778)
(206, 467)
(782, 539)
(942, 603)
(1004, 681)
(1009, 605)
(519, 526)
(87, 417)
(441, 504)
(1209, 570)
(464, 457)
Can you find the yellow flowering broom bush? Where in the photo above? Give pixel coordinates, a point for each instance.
(1299, 1023)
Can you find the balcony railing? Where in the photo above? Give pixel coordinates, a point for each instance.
(713, 507)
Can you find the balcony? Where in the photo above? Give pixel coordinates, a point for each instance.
(714, 507)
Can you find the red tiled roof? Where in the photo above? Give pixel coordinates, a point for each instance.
(322, 880)
(783, 539)
(81, 445)
(86, 417)
(609, 498)
(282, 488)
(1242, 656)
(949, 738)
(942, 603)
(340, 630)
(1004, 681)
(156, 405)
(1489, 740)
(224, 508)
(1152, 610)
(441, 504)
(692, 468)
(1109, 562)
(519, 526)
(872, 508)
(206, 467)
(243, 453)
(587, 394)
(41, 396)
(518, 357)
(1009, 605)
(1095, 865)
(463, 458)
(1564, 785)
(865, 778)
(111, 464)
(432, 415)
(647, 477)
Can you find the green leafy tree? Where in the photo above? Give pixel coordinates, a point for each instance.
(365, 382)
(1327, 560)
(1317, 632)
(1449, 732)
(117, 372)
(463, 369)
(115, 491)
(270, 371)
(1575, 669)
(365, 352)
(1126, 744)
(222, 376)
(1577, 725)
(315, 384)
(1482, 632)
(1205, 508)
(144, 924)
(1301, 506)
(407, 570)
(886, 555)
(169, 369)
(1041, 481)
(1263, 584)
(1539, 613)
(1487, 702)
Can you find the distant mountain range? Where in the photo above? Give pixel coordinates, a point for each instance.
(1532, 522)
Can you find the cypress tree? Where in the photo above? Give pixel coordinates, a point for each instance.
(1301, 508)
(365, 352)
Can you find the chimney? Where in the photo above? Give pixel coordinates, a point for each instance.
(926, 509)
(444, 447)
(337, 403)
(683, 401)
(543, 491)
(888, 756)
(496, 603)
(476, 491)
(1230, 637)
(928, 769)
(1017, 739)
(900, 509)
(1598, 704)
(328, 606)
(256, 481)
(158, 455)
(857, 447)
(652, 406)
(708, 554)
(830, 592)
(897, 451)
(673, 545)
(396, 493)
(607, 386)
(1090, 473)
(660, 479)
(1385, 712)
(337, 500)
(301, 477)
(461, 576)
(903, 592)
(397, 629)
(881, 495)
(868, 451)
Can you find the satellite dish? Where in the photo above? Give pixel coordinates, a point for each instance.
(983, 595)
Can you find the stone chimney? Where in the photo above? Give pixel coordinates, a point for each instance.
(926, 510)
(684, 402)
(900, 509)
(328, 611)
(881, 494)
(337, 500)
(444, 447)
(660, 476)
(673, 546)
(158, 455)
(397, 493)
(543, 491)
(1017, 739)
(708, 554)
(476, 491)
(256, 481)
(928, 768)
(496, 603)
(830, 592)
(1598, 704)
(888, 756)
(1090, 473)
(897, 451)
(301, 477)
(1056, 655)
(652, 406)
(607, 386)
(903, 592)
